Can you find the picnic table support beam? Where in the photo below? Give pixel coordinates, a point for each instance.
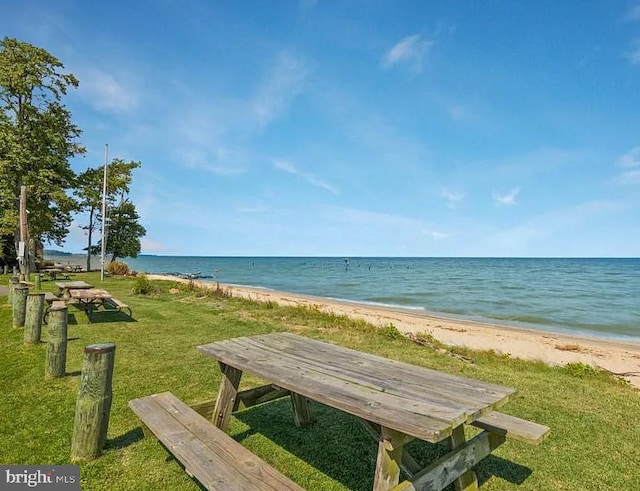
(469, 480)
(453, 465)
(302, 413)
(390, 450)
(244, 399)
(409, 465)
(226, 395)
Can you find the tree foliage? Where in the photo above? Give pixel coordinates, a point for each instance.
(89, 193)
(124, 231)
(37, 138)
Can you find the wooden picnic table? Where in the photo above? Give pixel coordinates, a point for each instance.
(396, 401)
(89, 299)
(65, 287)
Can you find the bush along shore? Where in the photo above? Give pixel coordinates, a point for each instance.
(592, 445)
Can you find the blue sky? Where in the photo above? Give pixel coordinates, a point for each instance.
(360, 128)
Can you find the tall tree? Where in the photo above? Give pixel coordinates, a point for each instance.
(125, 232)
(89, 192)
(37, 139)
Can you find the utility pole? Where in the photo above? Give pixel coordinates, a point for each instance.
(104, 212)
(23, 244)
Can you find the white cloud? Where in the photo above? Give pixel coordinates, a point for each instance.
(285, 81)
(631, 158)
(452, 197)
(627, 178)
(105, 92)
(290, 168)
(508, 198)
(411, 49)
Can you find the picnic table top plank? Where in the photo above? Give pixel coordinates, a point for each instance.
(442, 406)
(429, 405)
(89, 293)
(398, 377)
(367, 404)
(73, 285)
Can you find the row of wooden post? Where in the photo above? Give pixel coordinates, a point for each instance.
(94, 396)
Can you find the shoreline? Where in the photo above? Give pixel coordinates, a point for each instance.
(619, 357)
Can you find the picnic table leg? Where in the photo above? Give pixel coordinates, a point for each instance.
(302, 414)
(390, 450)
(227, 394)
(468, 481)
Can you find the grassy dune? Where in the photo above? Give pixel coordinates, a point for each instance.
(593, 444)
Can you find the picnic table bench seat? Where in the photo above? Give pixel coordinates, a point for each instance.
(118, 304)
(207, 453)
(50, 297)
(512, 427)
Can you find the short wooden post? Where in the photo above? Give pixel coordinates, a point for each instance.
(5, 269)
(33, 320)
(22, 277)
(57, 342)
(38, 279)
(13, 281)
(94, 402)
(15, 271)
(20, 293)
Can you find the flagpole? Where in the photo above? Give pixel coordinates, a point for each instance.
(104, 211)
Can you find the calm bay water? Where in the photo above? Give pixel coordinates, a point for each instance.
(596, 297)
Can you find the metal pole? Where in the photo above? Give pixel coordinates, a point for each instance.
(104, 211)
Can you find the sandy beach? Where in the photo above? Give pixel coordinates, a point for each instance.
(618, 357)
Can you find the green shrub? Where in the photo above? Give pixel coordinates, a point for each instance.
(391, 331)
(581, 370)
(143, 286)
(118, 268)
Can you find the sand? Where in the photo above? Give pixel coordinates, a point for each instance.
(618, 357)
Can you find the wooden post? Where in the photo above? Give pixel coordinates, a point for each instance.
(15, 271)
(94, 402)
(6, 269)
(13, 281)
(33, 320)
(38, 279)
(57, 342)
(20, 293)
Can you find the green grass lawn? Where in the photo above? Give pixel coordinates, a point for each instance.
(594, 442)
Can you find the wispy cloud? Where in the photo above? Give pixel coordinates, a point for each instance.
(631, 162)
(634, 55)
(634, 12)
(105, 92)
(631, 158)
(290, 168)
(285, 81)
(411, 49)
(508, 198)
(453, 198)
